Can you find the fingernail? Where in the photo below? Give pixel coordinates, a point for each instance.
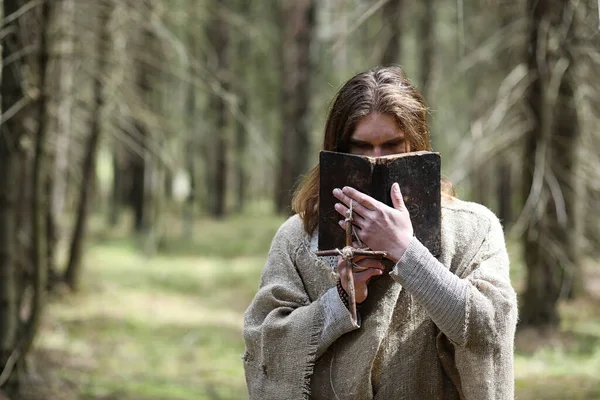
(337, 191)
(396, 187)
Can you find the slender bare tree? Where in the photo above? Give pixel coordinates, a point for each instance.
(427, 39)
(10, 133)
(503, 169)
(219, 62)
(73, 271)
(38, 198)
(550, 247)
(66, 23)
(298, 24)
(241, 136)
(192, 139)
(392, 16)
(18, 328)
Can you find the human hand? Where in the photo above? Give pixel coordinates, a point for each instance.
(372, 267)
(380, 227)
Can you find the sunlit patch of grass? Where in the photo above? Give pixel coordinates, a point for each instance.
(247, 234)
(145, 342)
(564, 363)
(561, 364)
(558, 387)
(166, 327)
(213, 280)
(233, 237)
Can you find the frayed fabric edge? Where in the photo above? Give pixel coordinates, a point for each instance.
(312, 354)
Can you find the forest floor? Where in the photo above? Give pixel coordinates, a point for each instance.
(169, 326)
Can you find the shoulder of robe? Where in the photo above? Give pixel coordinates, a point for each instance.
(290, 235)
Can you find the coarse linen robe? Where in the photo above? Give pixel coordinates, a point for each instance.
(431, 328)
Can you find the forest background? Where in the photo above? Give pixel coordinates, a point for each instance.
(148, 150)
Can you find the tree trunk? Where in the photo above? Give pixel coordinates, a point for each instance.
(241, 165)
(23, 251)
(221, 171)
(219, 38)
(190, 201)
(504, 192)
(550, 246)
(38, 200)
(392, 16)
(140, 164)
(57, 184)
(427, 47)
(503, 164)
(146, 181)
(469, 39)
(137, 165)
(298, 20)
(51, 235)
(116, 194)
(481, 184)
(9, 321)
(73, 271)
(9, 299)
(192, 141)
(10, 132)
(66, 18)
(168, 181)
(241, 141)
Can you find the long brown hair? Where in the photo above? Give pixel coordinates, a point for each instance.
(384, 90)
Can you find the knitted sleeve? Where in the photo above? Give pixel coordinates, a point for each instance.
(476, 311)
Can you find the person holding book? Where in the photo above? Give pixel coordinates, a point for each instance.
(428, 327)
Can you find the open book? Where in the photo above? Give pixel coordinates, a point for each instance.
(417, 173)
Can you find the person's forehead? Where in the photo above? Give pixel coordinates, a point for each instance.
(376, 124)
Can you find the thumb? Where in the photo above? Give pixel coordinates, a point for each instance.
(397, 199)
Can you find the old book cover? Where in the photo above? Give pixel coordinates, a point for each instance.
(417, 173)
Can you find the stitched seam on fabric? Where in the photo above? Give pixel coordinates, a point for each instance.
(467, 318)
(298, 271)
(485, 242)
(484, 246)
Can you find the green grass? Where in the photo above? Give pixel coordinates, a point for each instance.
(166, 327)
(169, 327)
(562, 364)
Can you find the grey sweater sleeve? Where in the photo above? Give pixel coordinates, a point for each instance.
(443, 294)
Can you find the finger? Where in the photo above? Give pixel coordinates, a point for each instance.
(369, 262)
(343, 211)
(357, 208)
(358, 245)
(361, 278)
(358, 259)
(342, 268)
(397, 199)
(360, 267)
(364, 200)
(342, 224)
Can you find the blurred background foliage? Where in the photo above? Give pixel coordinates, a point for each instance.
(149, 149)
